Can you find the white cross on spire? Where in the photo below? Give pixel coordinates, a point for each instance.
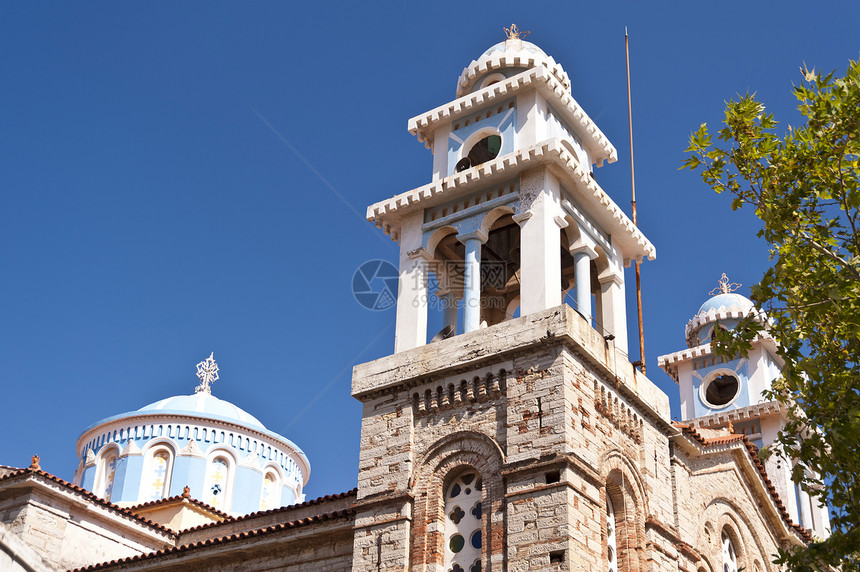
(207, 372)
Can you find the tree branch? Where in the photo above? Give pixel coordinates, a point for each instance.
(829, 253)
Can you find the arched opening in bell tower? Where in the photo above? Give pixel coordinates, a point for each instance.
(499, 273)
(586, 273)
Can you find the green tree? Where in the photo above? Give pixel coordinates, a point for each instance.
(804, 186)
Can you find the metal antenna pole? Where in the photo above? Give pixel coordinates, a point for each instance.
(633, 203)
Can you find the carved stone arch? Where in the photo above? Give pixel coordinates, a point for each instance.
(616, 461)
(732, 527)
(722, 514)
(436, 237)
(623, 486)
(444, 460)
(494, 215)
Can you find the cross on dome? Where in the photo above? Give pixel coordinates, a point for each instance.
(207, 372)
(724, 286)
(514, 33)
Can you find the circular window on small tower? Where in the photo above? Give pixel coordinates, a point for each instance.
(720, 389)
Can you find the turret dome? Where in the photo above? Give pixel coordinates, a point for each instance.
(724, 306)
(505, 59)
(726, 301)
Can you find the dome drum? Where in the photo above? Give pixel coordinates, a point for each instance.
(223, 454)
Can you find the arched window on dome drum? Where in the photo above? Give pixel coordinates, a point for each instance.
(611, 541)
(217, 483)
(270, 497)
(107, 469)
(730, 557)
(463, 523)
(157, 477)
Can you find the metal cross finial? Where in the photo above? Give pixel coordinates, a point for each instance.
(207, 371)
(725, 287)
(514, 33)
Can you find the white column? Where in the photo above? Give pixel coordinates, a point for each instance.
(472, 279)
(411, 323)
(582, 256)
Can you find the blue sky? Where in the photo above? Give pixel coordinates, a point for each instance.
(150, 213)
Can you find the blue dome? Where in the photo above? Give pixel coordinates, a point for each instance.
(204, 405)
(726, 301)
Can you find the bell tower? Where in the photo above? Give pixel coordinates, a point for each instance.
(729, 392)
(513, 221)
(496, 428)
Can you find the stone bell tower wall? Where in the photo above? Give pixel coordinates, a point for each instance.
(543, 408)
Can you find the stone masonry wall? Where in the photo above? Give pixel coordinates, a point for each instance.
(68, 536)
(556, 424)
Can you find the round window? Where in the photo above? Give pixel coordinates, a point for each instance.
(721, 390)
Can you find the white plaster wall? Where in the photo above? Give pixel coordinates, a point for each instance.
(685, 387)
(531, 119)
(758, 374)
(440, 151)
(539, 241)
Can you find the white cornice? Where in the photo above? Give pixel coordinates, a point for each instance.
(626, 236)
(670, 362)
(424, 125)
(720, 419)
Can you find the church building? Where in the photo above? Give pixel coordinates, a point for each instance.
(519, 437)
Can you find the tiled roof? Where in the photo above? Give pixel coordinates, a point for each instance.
(752, 451)
(288, 508)
(178, 499)
(338, 515)
(22, 474)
